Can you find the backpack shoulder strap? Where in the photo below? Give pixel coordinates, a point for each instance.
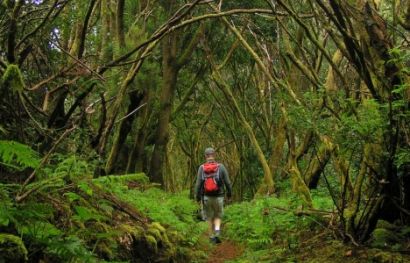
(217, 176)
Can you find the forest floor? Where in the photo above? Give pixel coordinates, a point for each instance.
(303, 244)
(225, 251)
(318, 249)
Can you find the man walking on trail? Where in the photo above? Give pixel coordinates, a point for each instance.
(211, 182)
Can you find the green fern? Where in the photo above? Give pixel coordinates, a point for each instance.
(40, 230)
(69, 249)
(18, 156)
(402, 157)
(84, 214)
(6, 206)
(5, 215)
(175, 211)
(138, 178)
(259, 224)
(71, 168)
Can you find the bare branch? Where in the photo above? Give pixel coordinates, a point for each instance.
(35, 30)
(21, 196)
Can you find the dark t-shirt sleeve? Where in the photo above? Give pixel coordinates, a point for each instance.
(226, 180)
(198, 184)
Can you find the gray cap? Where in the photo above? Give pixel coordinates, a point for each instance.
(209, 151)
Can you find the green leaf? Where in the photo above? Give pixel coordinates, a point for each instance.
(84, 214)
(85, 188)
(6, 213)
(72, 196)
(40, 230)
(4, 219)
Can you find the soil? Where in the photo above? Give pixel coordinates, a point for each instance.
(227, 250)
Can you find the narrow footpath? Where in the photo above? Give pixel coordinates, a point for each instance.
(225, 251)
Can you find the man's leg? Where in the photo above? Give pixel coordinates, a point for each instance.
(217, 224)
(209, 212)
(210, 226)
(218, 218)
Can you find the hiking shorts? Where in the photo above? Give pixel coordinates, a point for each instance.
(213, 206)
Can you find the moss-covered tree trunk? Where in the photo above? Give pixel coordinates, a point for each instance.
(268, 186)
(278, 147)
(136, 154)
(122, 132)
(106, 39)
(320, 158)
(169, 82)
(381, 76)
(174, 58)
(120, 23)
(14, 11)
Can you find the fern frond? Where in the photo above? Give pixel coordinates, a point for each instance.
(18, 156)
(71, 249)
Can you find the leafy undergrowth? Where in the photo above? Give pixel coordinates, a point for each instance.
(67, 216)
(175, 212)
(113, 218)
(280, 230)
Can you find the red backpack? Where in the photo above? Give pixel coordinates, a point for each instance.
(210, 176)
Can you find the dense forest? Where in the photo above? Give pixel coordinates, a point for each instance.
(107, 106)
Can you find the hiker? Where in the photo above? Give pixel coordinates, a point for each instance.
(211, 183)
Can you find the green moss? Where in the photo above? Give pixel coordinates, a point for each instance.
(385, 224)
(152, 243)
(380, 256)
(175, 235)
(135, 231)
(156, 230)
(101, 227)
(13, 78)
(104, 249)
(349, 212)
(123, 179)
(12, 248)
(383, 237)
(157, 225)
(155, 233)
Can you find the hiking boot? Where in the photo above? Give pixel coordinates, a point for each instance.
(212, 240)
(217, 236)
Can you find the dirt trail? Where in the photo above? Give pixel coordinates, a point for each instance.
(225, 251)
